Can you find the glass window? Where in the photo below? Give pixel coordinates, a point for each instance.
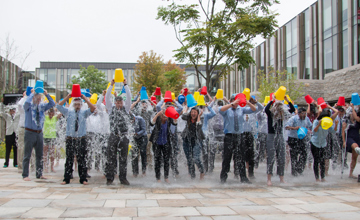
(307, 28)
(334, 13)
(288, 65)
(315, 68)
(43, 72)
(328, 55)
(345, 49)
(51, 79)
(272, 50)
(69, 76)
(327, 18)
(307, 64)
(262, 56)
(294, 36)
(335, 51)
(294, 64)
(288, 39)
(62, 78)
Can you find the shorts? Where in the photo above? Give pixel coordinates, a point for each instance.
(350, 141)
(49, 141)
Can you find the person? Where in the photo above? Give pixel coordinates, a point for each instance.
(338, 151)
(261, 137)
(146, 113)
(140, 143)
(206, 116)
(297, 146)
(215, 135)
(33, 138)
(277, 113)
(160, 139)
(102, 132)
(247, 138)
(351, 138)
(118, 143)
(12, 121)
(318, 142)
(49, 139)
(76, 136)
(20, 134)
(173, 131)
(233, 127)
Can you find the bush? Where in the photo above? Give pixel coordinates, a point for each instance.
(3, 151)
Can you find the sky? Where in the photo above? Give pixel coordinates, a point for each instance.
(98, 30)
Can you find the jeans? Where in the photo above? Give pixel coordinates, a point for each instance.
(162, 154)
(76, 147)
(232, 146)
(139, 148)
(10, 142)
(298, 155)
(117, 145)
(275, 147)
(319, 158)
(192, 150)
(247, 139)
(205, 154)
(33, 140)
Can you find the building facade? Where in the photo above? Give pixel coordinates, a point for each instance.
(320, 46)
(56, 75)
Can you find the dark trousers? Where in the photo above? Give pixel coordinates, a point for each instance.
(298, 155)
(192, 150)
(10, 142)
(247, 139)
(139, 150)
(232, 146)
(174, 154)
(33, 140)
(75, 147)
(162, 154)
(261, 148)
(319, 158)
(117, 145)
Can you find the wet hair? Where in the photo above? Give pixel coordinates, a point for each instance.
(189, 117)
(195, 108)
(341, 109)
(202, 106)
(118, 98)
(220, 103)
(325, 113)
(312, 108)
(301, 110)
(52, 110)
(143, 101)
(232, 98)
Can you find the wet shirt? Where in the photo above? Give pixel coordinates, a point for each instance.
(276, 127)
(140, 127)
(71, 117)
(207, 116)
(50, 127)
(249, 123)
(295, 121)
(262, 122)
(35, 114)
(162, 139)
(234, 120)
(318, 138)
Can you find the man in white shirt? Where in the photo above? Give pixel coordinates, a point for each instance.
(20, 133)
(12, 121)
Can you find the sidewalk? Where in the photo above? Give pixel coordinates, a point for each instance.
(300, 198)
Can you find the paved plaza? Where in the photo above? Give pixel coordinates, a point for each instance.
(299, 198)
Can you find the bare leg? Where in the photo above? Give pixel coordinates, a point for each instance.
(269, 180)
(354, 156)
(282, 179)
(327, 162)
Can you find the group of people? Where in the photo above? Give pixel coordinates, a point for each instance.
(106, 133)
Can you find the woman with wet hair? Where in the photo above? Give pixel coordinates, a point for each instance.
(277, 112)
(318, 141)
(351, 137)
(192, 137)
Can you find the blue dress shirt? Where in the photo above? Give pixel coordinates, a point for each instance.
(140, 126)
(228, 115)
(319, 138)
(30, 112)
(208, 116)
(71, 118)
(295, 121)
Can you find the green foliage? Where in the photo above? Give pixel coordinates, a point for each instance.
(90, 78)
(152, 72)
(271, 83)
(3, 151)
(218, 35)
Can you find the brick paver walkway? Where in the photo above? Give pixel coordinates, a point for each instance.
(300, 198)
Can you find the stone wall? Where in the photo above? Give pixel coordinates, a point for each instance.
(342, 83)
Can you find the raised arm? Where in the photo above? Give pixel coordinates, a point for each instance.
(142, 127)
(357, 118)
(128, 96)
(267, 108)
(91, 106)
(108, 97)
(336, 112)
(28, 101)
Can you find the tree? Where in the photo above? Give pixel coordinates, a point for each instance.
(9, 52)
(90, 78)
(175, 77)
(149, 72)
(218, 38)
(274, 80)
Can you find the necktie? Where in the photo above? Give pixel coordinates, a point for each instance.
(37, 115)
(77, 122)
(236, 121)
